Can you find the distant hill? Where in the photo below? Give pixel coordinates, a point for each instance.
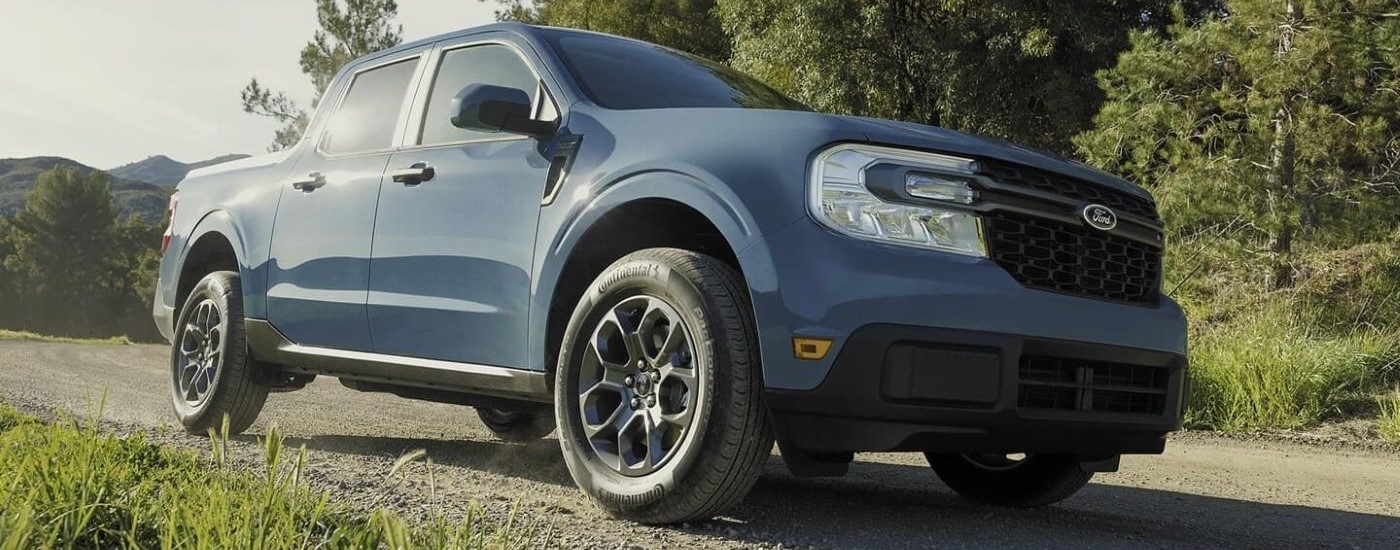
(165, 171)
(18, 176)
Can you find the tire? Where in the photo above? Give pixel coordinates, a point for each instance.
(516, 426)
(220, 366)
(703, 394)
(1036, 480)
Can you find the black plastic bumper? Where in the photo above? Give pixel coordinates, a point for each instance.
(903, 388)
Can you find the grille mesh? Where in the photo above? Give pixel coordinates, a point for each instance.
(1057, 383)
(1068, 187)
(1051, 255)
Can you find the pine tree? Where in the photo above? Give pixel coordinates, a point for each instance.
(689, 25)
(63, 241)
(1282, 117)
(358, 28)
(10, 307)
(1016, 70)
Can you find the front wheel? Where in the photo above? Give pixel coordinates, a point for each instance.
(212, 375)
(1019, 481)
(658, 389)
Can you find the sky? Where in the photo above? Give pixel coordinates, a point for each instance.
(106, 83)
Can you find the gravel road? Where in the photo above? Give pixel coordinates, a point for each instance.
(1204, 492)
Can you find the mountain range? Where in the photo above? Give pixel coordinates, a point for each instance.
(164, 171)
(141, 188)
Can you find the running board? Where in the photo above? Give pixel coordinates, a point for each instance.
(268, 344)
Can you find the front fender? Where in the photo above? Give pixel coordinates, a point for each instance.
(562, 232)
(223, 224)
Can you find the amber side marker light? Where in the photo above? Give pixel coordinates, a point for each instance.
(811, 349)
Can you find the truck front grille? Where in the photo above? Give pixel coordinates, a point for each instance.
(1050, 255)
(1057, 383)
(1082, 191)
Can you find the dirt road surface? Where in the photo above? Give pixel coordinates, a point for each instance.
(1204, 492)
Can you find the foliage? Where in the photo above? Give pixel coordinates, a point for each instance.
(66, 485)
(1281, 119)
(1286, 358)
(68, 267)
(1389, 424)
(62, 238)
(688, 25)
(348, 29)
(1272, 369)
(1349, 288)
(18, 176)
(1016, 70)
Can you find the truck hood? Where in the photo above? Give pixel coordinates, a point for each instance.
(933, 138)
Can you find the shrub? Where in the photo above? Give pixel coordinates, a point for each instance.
(1274, 370)
(1389, 422)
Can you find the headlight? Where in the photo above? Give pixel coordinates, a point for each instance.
(844, 197)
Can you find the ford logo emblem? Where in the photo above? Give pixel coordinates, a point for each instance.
(1099, 217)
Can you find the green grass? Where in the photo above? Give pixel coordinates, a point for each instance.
(1269, 370)
(1290, 357)
(32, 337)
(1388, 423)
(69, 485)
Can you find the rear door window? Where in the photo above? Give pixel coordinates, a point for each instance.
(369, 114)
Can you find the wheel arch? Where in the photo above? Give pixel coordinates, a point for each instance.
(653, 209)
(214, 245)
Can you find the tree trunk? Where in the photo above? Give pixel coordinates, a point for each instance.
(1284, 194)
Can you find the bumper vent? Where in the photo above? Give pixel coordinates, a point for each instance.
(1071, 188)
(1051, 255)
(1054, 383)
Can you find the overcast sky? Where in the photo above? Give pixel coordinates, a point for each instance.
(106, 83)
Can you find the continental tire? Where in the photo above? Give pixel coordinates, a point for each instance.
(212, 374)
(658, 389)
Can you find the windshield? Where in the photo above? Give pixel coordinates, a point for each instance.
(624, 74)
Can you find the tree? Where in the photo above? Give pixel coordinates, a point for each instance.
(62, 241)
(358, 28)
(1282, 117)
(1018, 70)
(688, 25)
(10, 307)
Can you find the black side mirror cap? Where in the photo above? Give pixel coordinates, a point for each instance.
(488, 108)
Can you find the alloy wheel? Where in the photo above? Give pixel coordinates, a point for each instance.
(201, 353)
(640, 393)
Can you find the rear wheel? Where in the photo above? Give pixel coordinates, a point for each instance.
(658, 388)
(517, 426)
(211, 373)
(1020, 481)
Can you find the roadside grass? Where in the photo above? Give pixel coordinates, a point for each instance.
(1289, 359)
(67, 484)
(1389, 423)
(1269, 372)
(33, 337)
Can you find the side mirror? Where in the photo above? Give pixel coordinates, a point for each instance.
(488, 108)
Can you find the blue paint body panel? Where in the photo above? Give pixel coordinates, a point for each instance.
(450, 276)
(318, 270)
(465, 267)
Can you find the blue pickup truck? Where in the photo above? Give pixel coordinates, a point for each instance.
(675, 266)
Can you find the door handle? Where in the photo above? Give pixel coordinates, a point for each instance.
(413, 175)
(311, 181)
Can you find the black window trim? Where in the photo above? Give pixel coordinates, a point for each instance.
(417, 116)
(413, 82)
